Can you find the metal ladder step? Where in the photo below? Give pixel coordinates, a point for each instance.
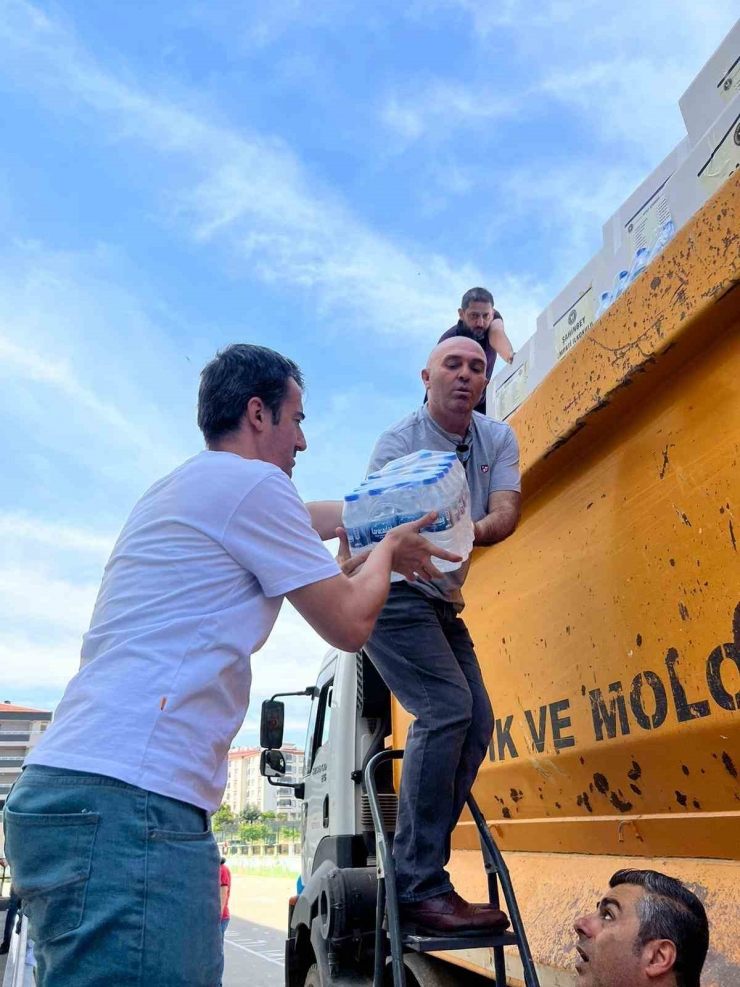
(431, 944)
(387, 904)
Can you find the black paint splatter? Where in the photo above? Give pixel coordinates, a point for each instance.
(685, 770)
(601, 783)
(681, 798)
(584, 800)
(506, 813)
(732, 536)
(639, 640)
(664, 467)
(683, 610)
(516, 795)
(729, 764)
(635, 789)
(619, 803)
(636, 772)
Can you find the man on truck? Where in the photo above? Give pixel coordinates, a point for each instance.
(108, 830)
(481, 321)
(649, 930)
(423, 651)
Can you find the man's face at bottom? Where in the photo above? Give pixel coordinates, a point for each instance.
(607, 955)
(478, 317)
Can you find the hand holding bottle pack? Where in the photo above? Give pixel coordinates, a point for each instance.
(405, 490)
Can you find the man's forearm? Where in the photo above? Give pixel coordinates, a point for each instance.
(326, 517)
(497, 525)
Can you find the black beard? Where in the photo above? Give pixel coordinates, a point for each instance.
(466, 331)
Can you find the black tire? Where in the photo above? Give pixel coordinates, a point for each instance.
(313, 977)
(428, 971)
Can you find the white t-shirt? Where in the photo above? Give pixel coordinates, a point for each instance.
(193, 587)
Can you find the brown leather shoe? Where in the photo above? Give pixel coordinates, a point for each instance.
(450, 915)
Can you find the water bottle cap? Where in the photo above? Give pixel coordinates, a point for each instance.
(351, 497)
(375, 491)
(605, 295)
(429, 480)
(623, 274)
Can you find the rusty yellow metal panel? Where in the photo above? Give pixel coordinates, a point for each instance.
(608, 625)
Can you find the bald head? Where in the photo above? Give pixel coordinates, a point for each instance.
(455, 378)
(456, 344)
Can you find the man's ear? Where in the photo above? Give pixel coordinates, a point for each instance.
(425, 378)
(461, 312)
(256, 414)
(658, 957)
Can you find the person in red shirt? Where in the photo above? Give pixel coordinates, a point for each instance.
(225, 892)
(225, 880)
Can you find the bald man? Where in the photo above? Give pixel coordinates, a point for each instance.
(423, 651)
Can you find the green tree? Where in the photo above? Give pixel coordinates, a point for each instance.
(290, 835)
(249, 814)
(267, 815)
(222, 818)
(254, 833)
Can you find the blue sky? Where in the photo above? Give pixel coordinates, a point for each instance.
(326, 179)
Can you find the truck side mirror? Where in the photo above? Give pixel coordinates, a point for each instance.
(272, 762)
(272, 722)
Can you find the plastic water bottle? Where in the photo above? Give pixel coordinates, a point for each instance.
(664, 233)
(605, 301)
(622, 281)
(639, 263)
(440, 532)
(382, 513)
(408, 501)
(354, 522)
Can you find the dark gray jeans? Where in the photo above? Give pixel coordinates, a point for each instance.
(423, 651)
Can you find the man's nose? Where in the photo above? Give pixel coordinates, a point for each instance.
(581, 925)
(302, 444)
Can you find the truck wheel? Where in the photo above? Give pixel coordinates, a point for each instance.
(313, 977)
(427, 971)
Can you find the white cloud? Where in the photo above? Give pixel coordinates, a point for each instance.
(26, 528)
(249, 193)
(29, 665)
(442, 107)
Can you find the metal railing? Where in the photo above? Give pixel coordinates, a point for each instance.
(17, 973)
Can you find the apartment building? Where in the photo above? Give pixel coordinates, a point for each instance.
(20, 729)
(246, 786)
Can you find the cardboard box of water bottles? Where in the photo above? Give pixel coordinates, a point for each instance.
(714, 88)
(406, 489)
(712, 161)
(512, 385)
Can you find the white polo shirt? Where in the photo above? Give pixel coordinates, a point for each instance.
(192, 589)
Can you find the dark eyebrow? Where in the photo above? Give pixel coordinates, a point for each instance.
(609, 901)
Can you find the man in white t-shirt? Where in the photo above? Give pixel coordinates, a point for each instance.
(108, 829)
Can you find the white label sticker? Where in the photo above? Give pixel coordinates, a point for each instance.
(512, 392)
(574, 323)
(724, 160)
(729, 84)
(641, 229)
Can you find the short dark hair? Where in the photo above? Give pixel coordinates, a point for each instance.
(668, 910)
(476, 295)
(235, 376)
(223, 860)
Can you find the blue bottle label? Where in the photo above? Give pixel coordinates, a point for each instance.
(444, 521)
(413, 516)
(357, 537)
(380, 527)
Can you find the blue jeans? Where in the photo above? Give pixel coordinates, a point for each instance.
(120, 886)
(423, 651)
